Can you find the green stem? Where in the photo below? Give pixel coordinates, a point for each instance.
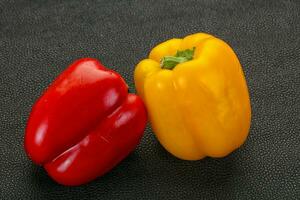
(169, 62)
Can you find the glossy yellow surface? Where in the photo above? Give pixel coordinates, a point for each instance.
(201, 107)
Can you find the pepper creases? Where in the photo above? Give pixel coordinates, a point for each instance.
(196, 96)
(84, 124)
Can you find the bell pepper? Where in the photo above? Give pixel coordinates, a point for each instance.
(84, 124)
(196, 95)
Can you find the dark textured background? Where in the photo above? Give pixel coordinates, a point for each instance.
(38, 39)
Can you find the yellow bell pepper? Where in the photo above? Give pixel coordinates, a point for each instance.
(196, 96)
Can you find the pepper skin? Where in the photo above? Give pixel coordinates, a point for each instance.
(84, 124)
(200, 105)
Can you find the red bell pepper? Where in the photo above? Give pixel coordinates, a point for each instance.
(84, 124)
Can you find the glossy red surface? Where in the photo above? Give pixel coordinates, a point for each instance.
(84, 123)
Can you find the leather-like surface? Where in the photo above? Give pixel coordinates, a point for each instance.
(39, 39)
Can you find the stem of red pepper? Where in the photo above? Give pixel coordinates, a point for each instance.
(169, 62)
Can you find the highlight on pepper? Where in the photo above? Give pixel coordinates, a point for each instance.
(196, 96)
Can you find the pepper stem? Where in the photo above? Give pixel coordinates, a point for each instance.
(169, 62)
